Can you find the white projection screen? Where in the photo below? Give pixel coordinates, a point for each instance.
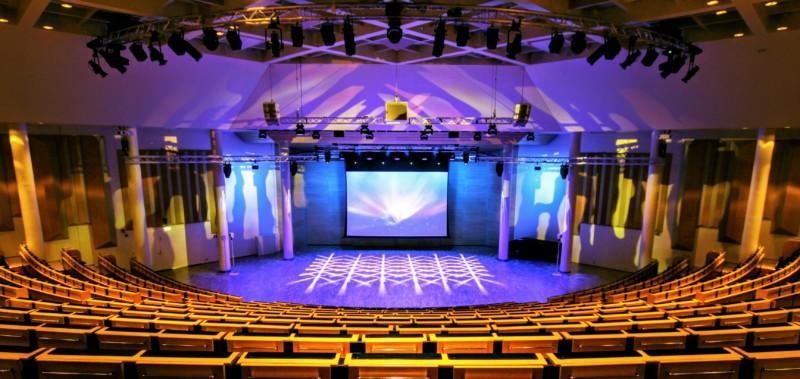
(396, 203)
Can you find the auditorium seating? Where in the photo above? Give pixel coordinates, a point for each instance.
(80, 322)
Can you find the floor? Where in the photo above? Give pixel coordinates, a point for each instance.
(393, 278)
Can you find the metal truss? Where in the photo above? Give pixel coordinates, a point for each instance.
(371, 120)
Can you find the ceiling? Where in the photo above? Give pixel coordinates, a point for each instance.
(696, 20)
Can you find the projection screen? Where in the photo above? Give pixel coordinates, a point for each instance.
(396, 204)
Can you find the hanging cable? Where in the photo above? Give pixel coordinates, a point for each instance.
(494, 90)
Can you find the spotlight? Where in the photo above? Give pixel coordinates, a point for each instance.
(693, 69)
(327, 156)
(349, 37)
(395, 31)
(453, 134)
(297, 35)
(138, 51)
(498, 168)
(596, 54)
(613, 47)
(364, 128)
(155, 50)
(564, 171)
(315, 135)
(462, 34)
(227, 169)
(530, 137)
(633, 55)
(328, 36)
(112, 54)
(438, 38)
(476, 136)
(465, 157)
(369, 135)
(492, 131)
(210, 38)
(192, 51)
(428, 128)
(300, 129)
(514, 40)
(176, 43)
(338, 133)
(423, 136)
(234, 38)
(254, 167)
(95, 66)
(675, 61)
(578, 42)
(556, 42)
(492, 37)
(537, 168)
(262, 134)
(650, 57)
(275, 38)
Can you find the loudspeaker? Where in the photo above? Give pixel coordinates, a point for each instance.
(498, 168)
(396, 111)
(522, 112)
(338, 133)
(271, 112)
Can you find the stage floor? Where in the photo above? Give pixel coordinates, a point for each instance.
(393, 278)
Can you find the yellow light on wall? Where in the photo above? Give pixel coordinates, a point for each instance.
(740, 34)
(47, 27)
(66, 6)
(712, 2)
(722, 12)
(771, 3)
(781, 28)
(3, 20)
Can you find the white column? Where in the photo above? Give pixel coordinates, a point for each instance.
(26, 188)
(759, 182)
(505, 207)
(141, 245)
(650, 210)
(287, 235)
(223, 237)
(569, 218)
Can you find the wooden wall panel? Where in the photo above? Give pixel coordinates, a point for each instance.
(97, 193)
(730, 229)
(787, 213)
(48, 187)
(689, 211)
(8, 186)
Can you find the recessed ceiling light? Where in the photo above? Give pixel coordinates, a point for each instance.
(781, 28)
(47, 27)
(771, 3)
(220, 34)
(3, 20)
(66, 6)
(712, 2)
(740, 34)
(721, 12)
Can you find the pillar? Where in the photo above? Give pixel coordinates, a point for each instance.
(141, 246)
(287, 230)
(26, 188)
(505, 207)
(569, 217)
(223, 237)
(758, 192)
(650, 210)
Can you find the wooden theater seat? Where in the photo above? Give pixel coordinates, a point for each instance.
(322, 343)
(598, 365)
(188, 341)
(393, 365)
(711, 337)
(265, 365)
(660, 340)
(489, 366)
(81, 364)
(17, 362)
(720, 363)
(63, 336)
(584, 342)
(451, 344)
(770, 362)
(393, 343)
(189, 365)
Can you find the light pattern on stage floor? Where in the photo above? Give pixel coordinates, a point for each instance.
(413, 271)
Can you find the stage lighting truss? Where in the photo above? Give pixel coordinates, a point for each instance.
(419, 14)
(419, 121)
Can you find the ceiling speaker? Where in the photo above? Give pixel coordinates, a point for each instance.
(522, 112)
(271, 112)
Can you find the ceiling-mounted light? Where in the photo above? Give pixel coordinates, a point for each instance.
(577, 42)
(154, 48)
(315, 135)
(438, 38)
(423, 136)
(369, 135)
(275, 38)
(675, 61)
(210, 38)
(556, 42)
(394, 11)
(234, 38)
(263, 134)
(650, 56)
(462, 34)
(364, 129)
(492, 37)
(428, 128)
(297, 35)
(476, 136)
(564, 171)
(492, 130)
(327, 33)
(633, 53)
(530, 137)
(613, 47)
(176, 43)
(300, 129)
(137, 50)
(94, 65)
(514, 40)
(349, 37)
(227, 169)
(112, 54)
(598, 53)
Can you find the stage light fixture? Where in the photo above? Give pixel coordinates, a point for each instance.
(438, 38)
(293, 168)
(234, 38)
(633, 55)
(564, 171)
(137, 50)
(693, 69)
(394, 10)
(193, 52)
(462, 34)
(210, 38)
(300, 129)
(364, 129)
(297, 35)
(96, 68)
(327, 33)
(498, 168)
(275, 38)
(556, 42)
(477, 136)
(262, 134)
(675, 61)
(492, 131)
(596, 54)
(650, 56)
(254, 167)
(154, 48)
(112, 54)
(227, 169)
(423, 136)
(369, 135)
(577, 42)
(176, 43)
(537, 168)
(613, 47)
(428, 128)
(492, 37)
(315, 135)
(530, 137)
(453, 134)
(349, 37)
(465, 157)
(327, 156)
(338, 133)
(514, 40)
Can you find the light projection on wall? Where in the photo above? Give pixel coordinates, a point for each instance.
(396, 204)
(400, 271)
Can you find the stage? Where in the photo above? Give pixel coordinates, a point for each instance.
(393, 278)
